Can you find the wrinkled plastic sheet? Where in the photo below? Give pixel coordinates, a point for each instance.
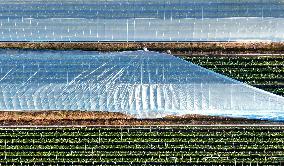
(141, 20)
(139, 83)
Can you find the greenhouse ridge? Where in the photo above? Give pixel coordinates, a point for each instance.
(139, 83)
(142, 20)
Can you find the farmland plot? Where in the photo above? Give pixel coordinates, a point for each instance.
(143, 145)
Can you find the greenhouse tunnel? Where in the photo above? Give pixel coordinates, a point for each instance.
(139, 83)
(141, 20)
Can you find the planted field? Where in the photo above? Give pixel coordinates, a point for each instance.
(264, 72)
(142, 145)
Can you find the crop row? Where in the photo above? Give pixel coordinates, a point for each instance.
(147, 142)
(142, 158)
(106, 150)
(145, 134)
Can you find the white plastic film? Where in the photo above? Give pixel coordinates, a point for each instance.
(141, 20)
(144, 84)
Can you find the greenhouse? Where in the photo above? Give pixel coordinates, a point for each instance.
(139, 83)
(141, 20)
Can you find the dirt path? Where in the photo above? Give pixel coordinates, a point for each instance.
(67, 118)
(185, 48)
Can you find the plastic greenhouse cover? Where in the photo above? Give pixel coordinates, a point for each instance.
(141, 20)
(144, 84)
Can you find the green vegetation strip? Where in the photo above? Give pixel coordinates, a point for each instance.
(264, 72)
(164, 145)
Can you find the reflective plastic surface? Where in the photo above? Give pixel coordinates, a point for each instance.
(144, 84)
(141, 20)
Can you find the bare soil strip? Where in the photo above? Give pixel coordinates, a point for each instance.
(86, 118)
(185, 48)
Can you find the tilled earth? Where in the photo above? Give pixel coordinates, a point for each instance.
(184, 48)
(85, 118)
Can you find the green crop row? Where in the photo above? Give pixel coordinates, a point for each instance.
(143, 134)
(217, 140)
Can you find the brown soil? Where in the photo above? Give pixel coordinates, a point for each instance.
(184, 48)
(106, 118)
